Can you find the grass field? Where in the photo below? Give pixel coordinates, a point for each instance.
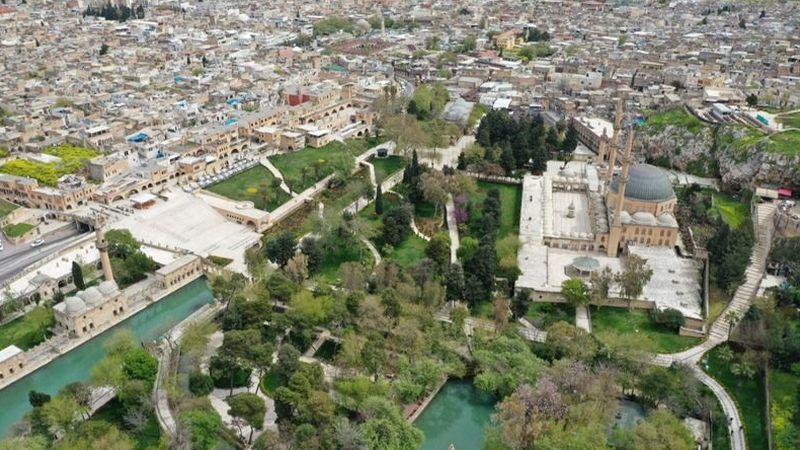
(790, 120)
(717, 300)
(785, 143)
(677, 117)
(29, 330)
(734, 211)
(6, 208)
(255, 185)
(329, 268)
(510, 202)
(783, 387)
(17, 229)
(385, 167)
(316, 161)
(748, 394)
(634, 323)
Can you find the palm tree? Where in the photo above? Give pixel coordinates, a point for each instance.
(304, 173)
(263, 190)
(732, 318)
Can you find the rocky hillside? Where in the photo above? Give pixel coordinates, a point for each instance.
(737, 154)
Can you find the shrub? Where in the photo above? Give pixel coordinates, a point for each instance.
(200, 384)
(669, 318)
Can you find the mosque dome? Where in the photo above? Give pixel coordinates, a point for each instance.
(667, 219)
(108, 288)
(624, 217)
(91, 296)
(647, 183)
(644, 218)
(74, 306)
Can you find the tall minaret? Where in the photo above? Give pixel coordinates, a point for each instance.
(616, 227)
(102, 247)
(612, 158)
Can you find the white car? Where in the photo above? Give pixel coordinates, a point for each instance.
(37, 242)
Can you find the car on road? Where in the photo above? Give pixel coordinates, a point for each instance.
(37, 243)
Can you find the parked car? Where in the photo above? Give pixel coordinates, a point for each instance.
(37, 243)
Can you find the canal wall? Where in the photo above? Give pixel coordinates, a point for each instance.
(425, 402)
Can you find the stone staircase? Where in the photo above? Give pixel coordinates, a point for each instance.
(743, 296)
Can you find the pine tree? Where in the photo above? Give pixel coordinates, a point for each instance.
(379, 200)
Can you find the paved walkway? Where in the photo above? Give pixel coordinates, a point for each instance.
(452, 228)
(445, 156)
(277, 174)
(375, 253)
(582, 319)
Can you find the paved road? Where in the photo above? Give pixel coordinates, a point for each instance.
(14, 259)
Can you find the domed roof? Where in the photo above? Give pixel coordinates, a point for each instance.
(74, 306)
(585, 263)
(646, 182)
(644, 217)
(91, 296)
(108, 288)
(667, 219)
(625, 217)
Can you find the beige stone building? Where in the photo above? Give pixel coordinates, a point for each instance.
(71, 191)
(12, 361)
(179, 272)
(90, 310)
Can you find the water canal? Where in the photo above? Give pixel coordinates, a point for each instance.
(457, 415)
(76, 365)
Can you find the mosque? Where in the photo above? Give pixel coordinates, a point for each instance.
(585, 214)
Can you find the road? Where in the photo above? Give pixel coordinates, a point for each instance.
(15, 258)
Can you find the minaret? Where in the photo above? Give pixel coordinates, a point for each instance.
(616, 226)
(612, 158)
(102, 247)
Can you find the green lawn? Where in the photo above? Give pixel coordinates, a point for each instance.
(542, 315)
(255, 185)
(113, 413)
(329, 268)
(510, 202)
(29, 330)
(409, 252)
(748, 394)
(786, 143)
(636, 322)
(676, 117)
(790, 120)
(17, 229)
(783, 399)
(385, 167)
(6, 208)
(316, 160)
(734, 211)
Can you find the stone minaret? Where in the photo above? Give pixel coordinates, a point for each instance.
(102, 247)
(612, 157)
(616, 226)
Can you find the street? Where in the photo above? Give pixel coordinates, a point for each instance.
(15, 258)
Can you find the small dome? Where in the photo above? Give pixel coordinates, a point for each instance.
(108, 288)
(667, 219)
(585, 264)
(74, 306)
(625, 217)
(91, 296)
(644, 217)
(646, 182)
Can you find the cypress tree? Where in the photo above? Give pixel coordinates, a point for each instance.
(379, 200)
(77, 276)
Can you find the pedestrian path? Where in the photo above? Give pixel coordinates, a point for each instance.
(264, 161)
(582, 319)
(452, 228)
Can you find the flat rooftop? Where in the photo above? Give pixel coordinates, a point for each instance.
(563, 225)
